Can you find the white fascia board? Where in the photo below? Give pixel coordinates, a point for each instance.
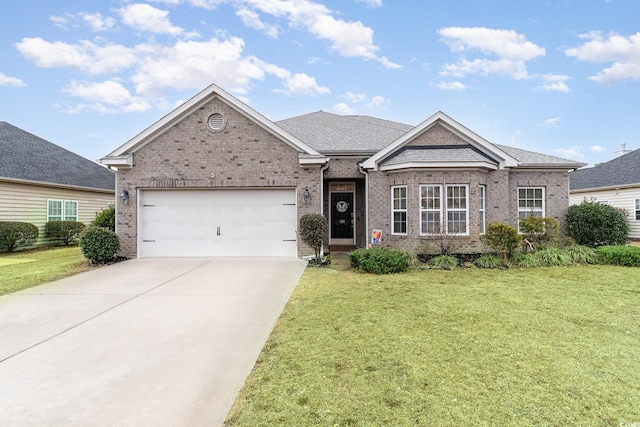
(607, 188)
(195, 102)
(306, 160)
(123, 162)
(55, 185)
(440, 165)
(466, 134)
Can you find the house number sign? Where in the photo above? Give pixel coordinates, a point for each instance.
(342, 206)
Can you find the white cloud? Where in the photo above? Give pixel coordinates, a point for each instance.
(376, 101)
(144, 17)
(252, 20)
(355, 97)
(622, 52)
(86, 56)
(552, 122)
(597, 148)
(301, 84)
(575, 152)
(508, 49)
(106, 97)
(343, 109)
(10, 81)
(97, 22)
(60, 21)
(554, 82)
(452, 86)
(371, 3)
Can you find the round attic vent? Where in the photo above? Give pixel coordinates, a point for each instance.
(216, 121)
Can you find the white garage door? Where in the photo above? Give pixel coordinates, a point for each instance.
(212, 223)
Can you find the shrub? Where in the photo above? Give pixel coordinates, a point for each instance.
(524, 260)
(594, 224)
(490, 261)
(99, 245)
(313, 229)
(553, 256)
(501, 238)
(14, 235)
(582, 254)
(539, 230)
(628, 256)
(64, 232)
(106, 218)
(445, 262)
(380, 260)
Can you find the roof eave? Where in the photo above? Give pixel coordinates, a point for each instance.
(56, 185)
(124, 161)
(439, 165)
(606, 188)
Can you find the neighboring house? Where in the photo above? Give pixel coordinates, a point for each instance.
(40, 182)
(216, 178)
(616, 183)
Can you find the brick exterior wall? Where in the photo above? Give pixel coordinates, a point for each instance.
(191, 155)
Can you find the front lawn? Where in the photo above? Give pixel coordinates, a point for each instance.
(22, 270)
(526, 347)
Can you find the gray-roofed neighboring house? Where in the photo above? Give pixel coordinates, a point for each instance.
(616, 183)
(41, 181)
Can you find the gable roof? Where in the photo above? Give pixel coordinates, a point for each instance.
(334, 134)
(532, 159)
(123, 155)
(26, 157)
(619, 172)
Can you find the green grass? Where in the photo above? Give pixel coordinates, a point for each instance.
(25, 269)
(526, 347)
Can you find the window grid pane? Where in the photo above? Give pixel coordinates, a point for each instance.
(54, 210)
(456, 209)
(399, 210)
(431, 211)
(481, 208)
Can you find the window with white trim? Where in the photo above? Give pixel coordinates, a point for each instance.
(457, 209)
(637, 209)
(482, 218)
(444, 213)
(430, 209)
(530, 202)
(62, 210)
(399, 209)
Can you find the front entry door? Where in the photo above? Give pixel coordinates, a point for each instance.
(342, 216)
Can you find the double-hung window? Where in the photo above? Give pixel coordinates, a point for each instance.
(399, 209)
(482, 217)
(637, 210)
(530, 202)
(446, 213)
(62, 210)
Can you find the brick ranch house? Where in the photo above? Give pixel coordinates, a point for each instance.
(216, 178)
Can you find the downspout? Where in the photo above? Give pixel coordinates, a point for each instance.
(322, 169)
(366, 204)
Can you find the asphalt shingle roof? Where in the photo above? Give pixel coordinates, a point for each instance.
(28, 157)
(461, 154)
(327, 132)
(526, 157)
(623, 170)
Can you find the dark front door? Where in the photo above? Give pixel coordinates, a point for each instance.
(342, 215)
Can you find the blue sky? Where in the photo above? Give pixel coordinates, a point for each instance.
(560, 77)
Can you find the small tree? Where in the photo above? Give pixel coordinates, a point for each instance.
(64, 232)
(447, 243)
(595, 224)
(501, 238)
(14, 235)
(539, 230)
(106, 218)
(99, 245)
(313, 229)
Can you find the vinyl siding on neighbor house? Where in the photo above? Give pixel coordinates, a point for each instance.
(27, 202)
(618, 198)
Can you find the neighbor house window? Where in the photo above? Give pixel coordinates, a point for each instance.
(399, 210)
(482, 191)
(444, 213)
(637, 209)
(62, 210)
(457, 209)
(430, 209)
(530, 202)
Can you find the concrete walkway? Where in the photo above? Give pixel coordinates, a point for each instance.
(153, 342)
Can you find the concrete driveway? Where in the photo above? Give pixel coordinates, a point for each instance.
(153, 342)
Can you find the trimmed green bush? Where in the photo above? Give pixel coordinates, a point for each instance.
(501, 238)
(313, 229)
(64, 232)
(99, 245)
(595, 224)
(539, 230)
(106, 218)
(490, 261)
(15, 235)
(445, 262)
(380, 260)
(628, 256)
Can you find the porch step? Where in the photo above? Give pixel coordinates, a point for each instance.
(341, 248)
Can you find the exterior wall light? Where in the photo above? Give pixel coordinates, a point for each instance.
(124, 196)
(306, 196)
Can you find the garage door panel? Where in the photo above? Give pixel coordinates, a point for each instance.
(253, 222)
